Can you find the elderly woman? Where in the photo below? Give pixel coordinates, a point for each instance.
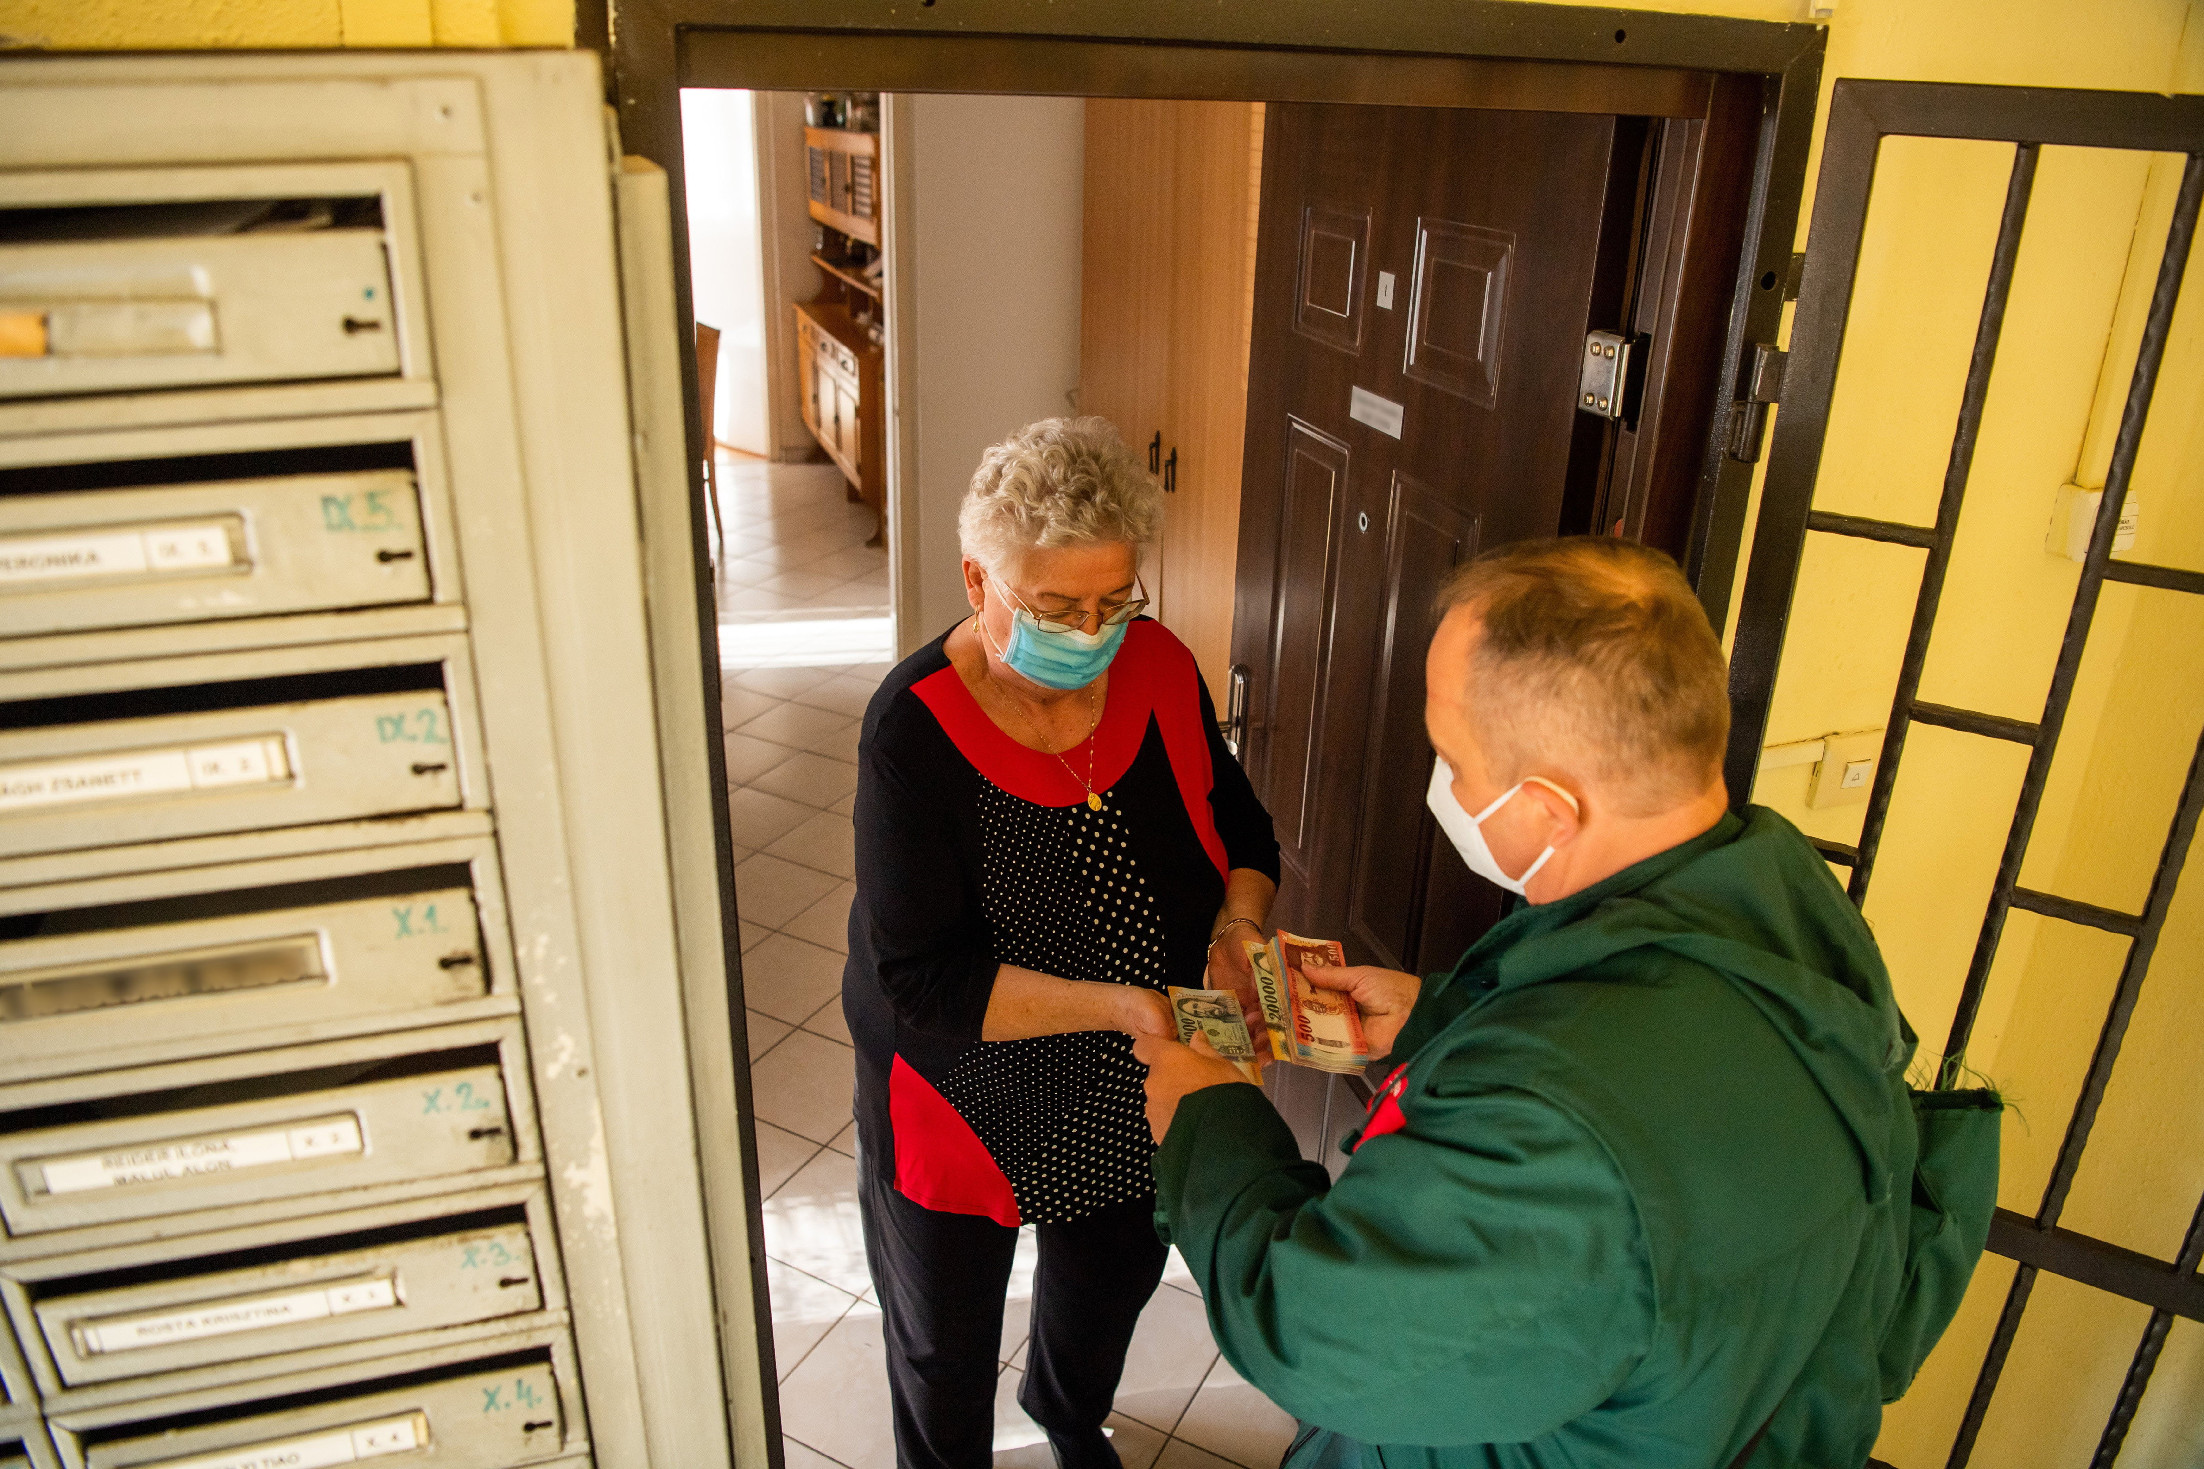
(1049, 831)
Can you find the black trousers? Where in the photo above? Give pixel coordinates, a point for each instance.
(942, 1278)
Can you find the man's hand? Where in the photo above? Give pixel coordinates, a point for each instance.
(1383, 998)
(1176, 1071)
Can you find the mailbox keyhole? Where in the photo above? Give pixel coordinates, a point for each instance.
(532, 1427)
(456, 961)
(477, 1134)
(389, 556)
(509, 1281)
(353, 326)
(429, 769)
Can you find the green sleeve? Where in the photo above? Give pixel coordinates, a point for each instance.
(1428, 1018)
(1476, 1277)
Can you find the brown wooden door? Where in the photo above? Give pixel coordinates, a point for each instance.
(1439, 268)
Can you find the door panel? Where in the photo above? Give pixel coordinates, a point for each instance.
(1446, 262)
(1313, 501)
(1426, 537)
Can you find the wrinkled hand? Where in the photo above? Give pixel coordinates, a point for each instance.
(1383, 998)
(1145, 1012)
(1229, 971)
(1176, 1072)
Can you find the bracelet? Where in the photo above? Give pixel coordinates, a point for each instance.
(1224, 928)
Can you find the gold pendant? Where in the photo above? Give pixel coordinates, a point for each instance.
(1094, 801)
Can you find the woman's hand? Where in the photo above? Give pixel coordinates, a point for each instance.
(1145, 1012)
(1176, 1071)
(1383, 998)
(1229, 970)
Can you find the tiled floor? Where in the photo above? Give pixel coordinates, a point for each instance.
(796, 549)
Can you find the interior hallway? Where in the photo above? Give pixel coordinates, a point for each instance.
(797, 559)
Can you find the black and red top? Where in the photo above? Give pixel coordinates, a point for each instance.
(974, 851)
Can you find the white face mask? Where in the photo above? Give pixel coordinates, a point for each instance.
(1466, 832)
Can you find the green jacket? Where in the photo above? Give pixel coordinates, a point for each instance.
(1639, 1201)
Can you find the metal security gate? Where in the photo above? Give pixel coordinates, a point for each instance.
(1861, 115)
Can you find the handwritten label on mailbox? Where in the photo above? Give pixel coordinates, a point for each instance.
(190, 1157)
(174, 548)
(260, 760)
(245, 1313)
(399, 1435)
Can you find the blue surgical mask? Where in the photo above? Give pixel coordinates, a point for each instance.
(1055, 660)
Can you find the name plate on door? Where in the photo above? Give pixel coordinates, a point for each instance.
(191, 1157)
(124, 551)
(247, 1313)
(261, 760)
(399, 1435)
(1382, 414)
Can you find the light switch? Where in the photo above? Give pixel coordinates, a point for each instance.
(1847, 769)
(1385, 290)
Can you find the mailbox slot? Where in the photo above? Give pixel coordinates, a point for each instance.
(488, 1414)
(185, 552)
(115, 297)
(101, 770)
(452, 1270)
(90, 981)
(214, 1138)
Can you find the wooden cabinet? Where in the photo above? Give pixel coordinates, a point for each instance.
(841, 387)
(843, 172)
(1167, 267)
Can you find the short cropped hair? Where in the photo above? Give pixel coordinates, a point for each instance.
(1058, 482)
(1594, 652)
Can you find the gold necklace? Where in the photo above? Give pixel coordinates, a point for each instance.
(1094, 721)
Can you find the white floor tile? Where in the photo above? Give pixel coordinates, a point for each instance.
(1171, 1354)
(843, 695)
(836, 1401)
(769, 891)
(749, 757)
(1176, 1272)
(812, 1223)
(856, 561)
(811, 779)
(795, 724)
(1178, 1454)
(803, 1456)
(752, 934)
(836, 744)
(847, 806)
(825, 922)
(823, 840)
(780, 683)
(736, 602)
(845, 1141)
(765, 1032)
(789, 979)
(1231, 1419)
(806, 583)
(805, 1309)
(738, 706)
(804, 1084)
(1136, 1443)
(830, 1021)
(780, 1154)
(758, 819)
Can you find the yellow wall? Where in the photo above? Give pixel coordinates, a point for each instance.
(158, 25)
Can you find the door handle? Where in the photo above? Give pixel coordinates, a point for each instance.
(1171, 472)
(1234, 724)
(1155, 453)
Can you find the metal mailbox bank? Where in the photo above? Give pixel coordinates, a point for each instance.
(366, 1089)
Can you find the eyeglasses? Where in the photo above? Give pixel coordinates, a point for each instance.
(1073, 619)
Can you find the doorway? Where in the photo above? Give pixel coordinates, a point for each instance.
(909, 74)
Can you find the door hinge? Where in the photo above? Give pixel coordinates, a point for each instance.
(1603, 378)
(1763, 389)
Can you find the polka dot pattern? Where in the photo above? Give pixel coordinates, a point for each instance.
(1063, 1115)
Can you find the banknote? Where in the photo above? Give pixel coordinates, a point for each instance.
(1215, 1014)
(1308, 1026)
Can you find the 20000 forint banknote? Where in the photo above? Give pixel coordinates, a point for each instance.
(1308, 1026)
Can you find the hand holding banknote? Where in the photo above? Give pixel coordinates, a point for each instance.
(1382, 999)
(1306, 1024)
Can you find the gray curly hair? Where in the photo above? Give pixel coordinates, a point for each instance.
(1058, 482)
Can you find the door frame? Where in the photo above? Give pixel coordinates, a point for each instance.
(1481, 53)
